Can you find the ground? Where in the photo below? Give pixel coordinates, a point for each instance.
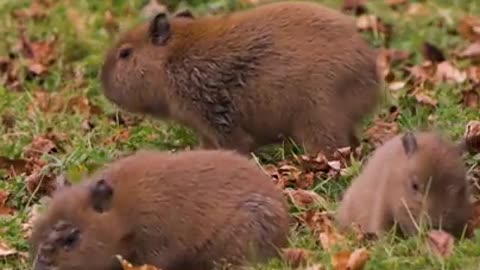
(55, 121)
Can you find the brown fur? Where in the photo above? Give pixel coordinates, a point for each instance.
(247, 79)
(175, 211)
(374, 199)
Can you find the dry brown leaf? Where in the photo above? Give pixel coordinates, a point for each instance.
(441, 243)
(41, 183)
(447, 72)
(422, 73)
(13, 166)
(357, 6)
(473, 73)
(340, 260)
(432, 53)
(346, 260)
(315, 267)
(423, 97)
(40, 54)
(40, 145)
(4, 209)
(36, 10)
(9, 71)
(358, 259)
(77, 19)
(322, 225)
(47, 102)
(296, 256)
(79, 104)
(386, 58)
(395, 2)
(417, 9)
(152, 8)
(469, 28)
(470, 98)
(371, 23)
(472, 136)
(6, 250)
(304, 198)
(119, 136)
(382, 131)
(128, 266)
(472, 51)
(110, 23)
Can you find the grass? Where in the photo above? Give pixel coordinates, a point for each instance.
(82, 41)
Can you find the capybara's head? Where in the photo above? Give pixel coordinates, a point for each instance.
(79, 231)
(133, 74)
(433, 186)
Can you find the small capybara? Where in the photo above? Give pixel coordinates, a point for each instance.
(293, 69)
(414, 179)
(190, 210)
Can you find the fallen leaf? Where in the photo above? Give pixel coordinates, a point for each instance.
(4, 209)
(110, 24)
(394, 3)
(432, 53)
(41, 183)
(346, 260)
(358, 259)
(388, 57)
(79, 104)
(357, 6)
(473, 74)
(8, 119)
(422, 73)
(417, 9)
(472, 51)
(119, 137)
(371, 23)
(77, 19)
(303, 198)
(13, 166)
(470, 98)
(382, 131)
(296, 256)
(47, 102)
(152, 8)
(395, 86)
(423, 97)
(9, 71)
(39, 54)
(472, 136)
(315, 267)
(322, 225)
(36, 11)
(128, 266)
(469, 28)
(340, 260)
(40, 145)
(447, 72)
(6, 250)
(441, 243)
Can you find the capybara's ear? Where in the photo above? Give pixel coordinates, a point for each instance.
(409, 143)
(101, 194)
(185, 14)
(159, 29)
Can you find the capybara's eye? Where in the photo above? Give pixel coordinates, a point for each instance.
(125, 52)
